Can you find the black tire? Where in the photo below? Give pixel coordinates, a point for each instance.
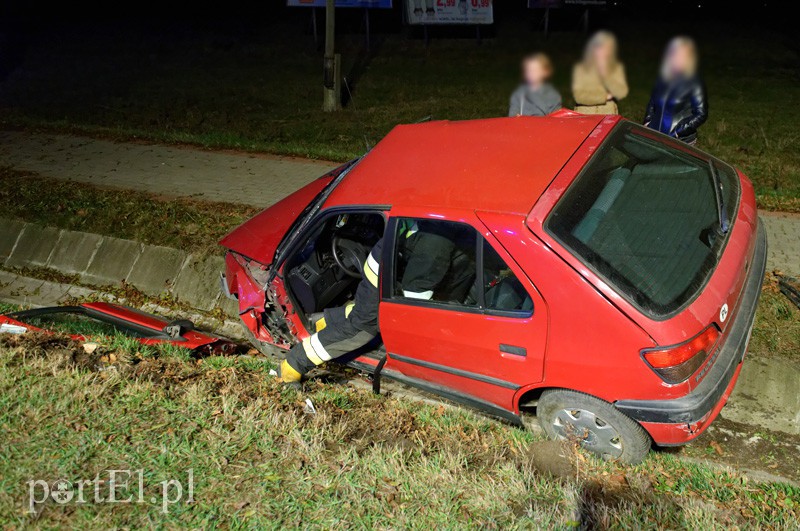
(594, 424)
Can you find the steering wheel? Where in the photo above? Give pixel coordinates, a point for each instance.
(347, 255)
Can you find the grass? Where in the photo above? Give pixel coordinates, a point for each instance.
(777, 327)
(259, 90)
(193, 226)
(259, 461)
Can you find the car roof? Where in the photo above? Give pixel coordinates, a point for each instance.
(497, 164)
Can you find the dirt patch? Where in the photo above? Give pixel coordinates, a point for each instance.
(558, 459)
(756, 451)
(599, 500)
(61, 350)
(362, 428)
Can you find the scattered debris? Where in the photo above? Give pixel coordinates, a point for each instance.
(309, 407)
(790, 287)
(717, 448)
(89, 348)
(86, 320)
(8, 328)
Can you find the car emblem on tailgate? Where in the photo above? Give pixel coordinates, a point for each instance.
(723, 313)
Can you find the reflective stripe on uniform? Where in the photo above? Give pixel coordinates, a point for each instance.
(412, 229)
(371, 270)
(348, 309)
(316, 344)
(425, 295)
(310, 354)
(314, 350)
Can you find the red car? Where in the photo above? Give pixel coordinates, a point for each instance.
(616, 272)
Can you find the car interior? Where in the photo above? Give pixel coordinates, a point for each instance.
(624, 217)
(326, 270)
(502, 290)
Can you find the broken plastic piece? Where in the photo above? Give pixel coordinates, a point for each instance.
(7, 328)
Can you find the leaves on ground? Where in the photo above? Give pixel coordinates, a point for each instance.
(362, 460)
(186, 224)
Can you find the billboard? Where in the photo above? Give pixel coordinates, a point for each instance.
(383, 4)
(543, 4)
(449, 11)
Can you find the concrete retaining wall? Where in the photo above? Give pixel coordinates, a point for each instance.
(103, 261)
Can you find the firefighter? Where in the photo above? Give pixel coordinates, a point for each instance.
(341, 330)
(429, 263)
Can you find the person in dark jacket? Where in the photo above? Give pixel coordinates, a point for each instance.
(678, 104)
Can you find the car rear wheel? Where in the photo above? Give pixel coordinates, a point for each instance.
(594, 424)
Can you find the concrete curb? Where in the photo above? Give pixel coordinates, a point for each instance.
(106, 261)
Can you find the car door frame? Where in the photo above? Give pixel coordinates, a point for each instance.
(278, 292)
(393, 368)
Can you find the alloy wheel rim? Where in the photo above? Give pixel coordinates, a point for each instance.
(591, 431)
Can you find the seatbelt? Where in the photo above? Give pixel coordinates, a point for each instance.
(376, 376)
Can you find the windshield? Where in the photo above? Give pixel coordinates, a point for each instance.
(644, 215)
(313, 207)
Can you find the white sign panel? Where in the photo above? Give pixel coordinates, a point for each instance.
(449, 11)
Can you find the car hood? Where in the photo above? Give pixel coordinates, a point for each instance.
(259, 237)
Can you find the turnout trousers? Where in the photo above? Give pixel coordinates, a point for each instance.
(345, 328)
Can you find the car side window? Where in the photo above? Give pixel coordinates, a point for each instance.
(435, 261)
(501, 288)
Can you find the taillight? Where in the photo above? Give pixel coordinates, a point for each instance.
(675, 363)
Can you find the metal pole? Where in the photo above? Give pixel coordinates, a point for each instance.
(366, 23)
(331, 91)
(314, 26)
(546, 21)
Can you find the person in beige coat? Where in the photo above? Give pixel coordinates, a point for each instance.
(598, 81)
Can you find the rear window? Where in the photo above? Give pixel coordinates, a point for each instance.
(643, 214)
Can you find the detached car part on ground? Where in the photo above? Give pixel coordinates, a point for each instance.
(102, 318)
(616, 272)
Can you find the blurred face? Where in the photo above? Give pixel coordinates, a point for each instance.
(602, 52)
(534, 72)
(680, 59)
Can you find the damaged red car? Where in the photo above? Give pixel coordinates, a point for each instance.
(615, 279)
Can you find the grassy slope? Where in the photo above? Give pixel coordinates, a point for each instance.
(776, 331)
(362, 460)
(194, 226)
(262, 92)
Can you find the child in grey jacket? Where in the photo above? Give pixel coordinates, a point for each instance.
(535, 96)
